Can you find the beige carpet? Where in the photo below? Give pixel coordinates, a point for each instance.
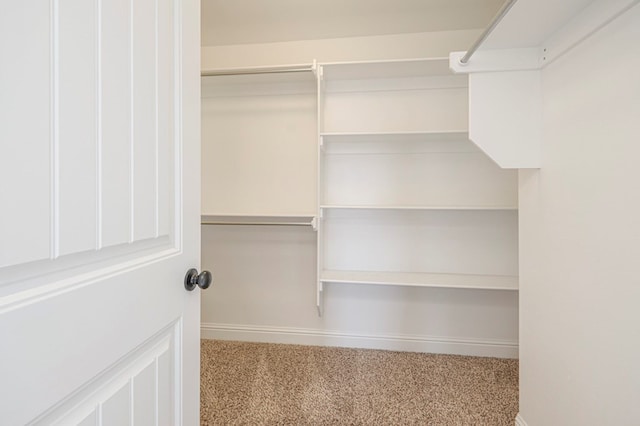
(267, 384)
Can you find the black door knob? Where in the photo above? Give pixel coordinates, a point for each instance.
(193, 279)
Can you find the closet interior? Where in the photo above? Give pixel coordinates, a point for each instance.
(344, 204)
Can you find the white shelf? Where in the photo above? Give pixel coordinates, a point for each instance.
(424, 136)
(375, 143)
(461, 281)
(399, 207)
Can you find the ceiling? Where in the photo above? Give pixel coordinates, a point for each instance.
(227, 22)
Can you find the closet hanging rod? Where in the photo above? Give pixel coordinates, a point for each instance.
(506, 6)
(258, 70)
(258, 220)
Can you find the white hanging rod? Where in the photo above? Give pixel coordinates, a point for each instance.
(258, 70)
(494, 23)
(258, 220)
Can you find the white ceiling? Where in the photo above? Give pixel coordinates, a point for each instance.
(262, 21)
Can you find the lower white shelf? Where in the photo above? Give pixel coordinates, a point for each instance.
(462, 281)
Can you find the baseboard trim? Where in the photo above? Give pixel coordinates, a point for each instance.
(520, 421)
(316, 337)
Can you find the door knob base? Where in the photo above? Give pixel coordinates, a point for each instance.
(193, 279)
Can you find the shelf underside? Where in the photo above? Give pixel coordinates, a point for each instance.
(461, 281)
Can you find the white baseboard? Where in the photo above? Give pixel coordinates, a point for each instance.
(315, 337)
(520, 421)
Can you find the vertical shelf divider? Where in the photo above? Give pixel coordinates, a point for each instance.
(319, 189)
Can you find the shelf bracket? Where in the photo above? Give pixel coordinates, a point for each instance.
(319, 297)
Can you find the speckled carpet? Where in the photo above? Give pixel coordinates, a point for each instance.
(268, 384)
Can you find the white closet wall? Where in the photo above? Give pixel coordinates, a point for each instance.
(258, 150)
(553, 90)
(395, 46)
(580, 233)
(266, 276)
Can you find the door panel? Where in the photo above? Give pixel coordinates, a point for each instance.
(138, 390)
(100, 220)
(115, 122)
(100, 169)
(144, 156)
(25, 133)
(165, 112)
(75, 132)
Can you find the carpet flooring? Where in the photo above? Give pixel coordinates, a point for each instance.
(269, 384)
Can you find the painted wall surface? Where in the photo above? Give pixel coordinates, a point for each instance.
(580, 239)
(265, 277)
(398, 46)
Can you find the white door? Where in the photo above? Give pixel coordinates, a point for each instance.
(99, 214)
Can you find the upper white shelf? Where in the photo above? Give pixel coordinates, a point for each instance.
(534, 33)
(505, 84)
(386, 69)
